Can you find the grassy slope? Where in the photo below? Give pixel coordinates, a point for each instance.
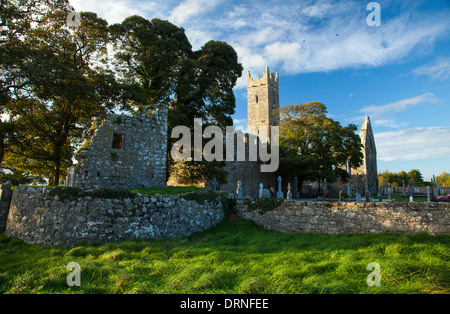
(234, 257)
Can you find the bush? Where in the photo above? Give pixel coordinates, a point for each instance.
(73, 193)
(263, 205)
(202, 197)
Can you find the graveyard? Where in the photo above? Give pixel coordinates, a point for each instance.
(143, 157)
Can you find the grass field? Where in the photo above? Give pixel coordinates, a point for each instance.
(235, 257)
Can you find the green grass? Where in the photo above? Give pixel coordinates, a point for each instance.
(235, 257)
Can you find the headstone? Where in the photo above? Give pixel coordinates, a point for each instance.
(358, 198)
(404, 193)
(340, 195)
(389, 191)
(349, 189)
(5, 192)
(411, 198)
(239, 189)
(261, 190)
(296, 194)
(325, 187)
(428, 194)
(356, 188)
(266, 193)
(272, 191)
(289, 195)
(379, 194)
(214, 184)
(279, 192)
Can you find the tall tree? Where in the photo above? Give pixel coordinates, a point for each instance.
(156, 61)
(315, 147)
(66, 85)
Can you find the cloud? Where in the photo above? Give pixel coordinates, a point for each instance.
(389, 123)
(191, 8)
(115, 11)
(440, 69)
(413, 144)
(240, 124)
(316, 10)
(398, 106)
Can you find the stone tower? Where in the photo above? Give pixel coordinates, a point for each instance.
(369, 166)
(262, 102)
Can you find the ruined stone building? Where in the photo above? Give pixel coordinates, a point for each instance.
(131, 151)
(262, 102)
(368, 169)
(122, 152)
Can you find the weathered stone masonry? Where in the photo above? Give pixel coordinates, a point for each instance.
(353, 218)
(35, 216)
(123, 152)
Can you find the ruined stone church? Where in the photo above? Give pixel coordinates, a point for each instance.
(262, 102)
(131, 151)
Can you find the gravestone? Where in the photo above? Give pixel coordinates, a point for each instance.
(404, 193)
(289, 195)
(379, 194)
(214, 184)
(349, 189)
(325, 187)
(389, 191)
(239, 189)
(266, 193)
(279, 192)
(428, 194)
(5, 199)
(340, 195)
(261, 190)
(358, 198)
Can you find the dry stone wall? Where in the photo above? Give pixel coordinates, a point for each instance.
(353, 218)
(36, 216)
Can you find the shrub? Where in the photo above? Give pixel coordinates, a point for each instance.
(202, 197)
(263, 205)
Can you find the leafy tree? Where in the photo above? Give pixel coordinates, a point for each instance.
(314, 146)
(62, 86)
(396, 179)
(444, 178)
(415, 176)
(158, 64)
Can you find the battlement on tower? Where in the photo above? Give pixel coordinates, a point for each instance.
(268, 78)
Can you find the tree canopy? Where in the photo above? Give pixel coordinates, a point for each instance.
(55, 77)
(314, 146)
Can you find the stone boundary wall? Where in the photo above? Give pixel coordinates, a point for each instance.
(35, 216)
(353, 218)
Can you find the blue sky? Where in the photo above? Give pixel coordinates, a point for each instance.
(398, 73)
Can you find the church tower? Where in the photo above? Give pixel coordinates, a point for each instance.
(262, 102)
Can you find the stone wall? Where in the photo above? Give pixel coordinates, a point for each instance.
(122, 152)
(336, 218)
(36, 216)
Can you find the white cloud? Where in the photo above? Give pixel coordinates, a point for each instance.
(440, 69)
(240, 124)
(191, 8)
(413, 144)
(316, 10)
(115, 11)
(398, 106)
(389, 123)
